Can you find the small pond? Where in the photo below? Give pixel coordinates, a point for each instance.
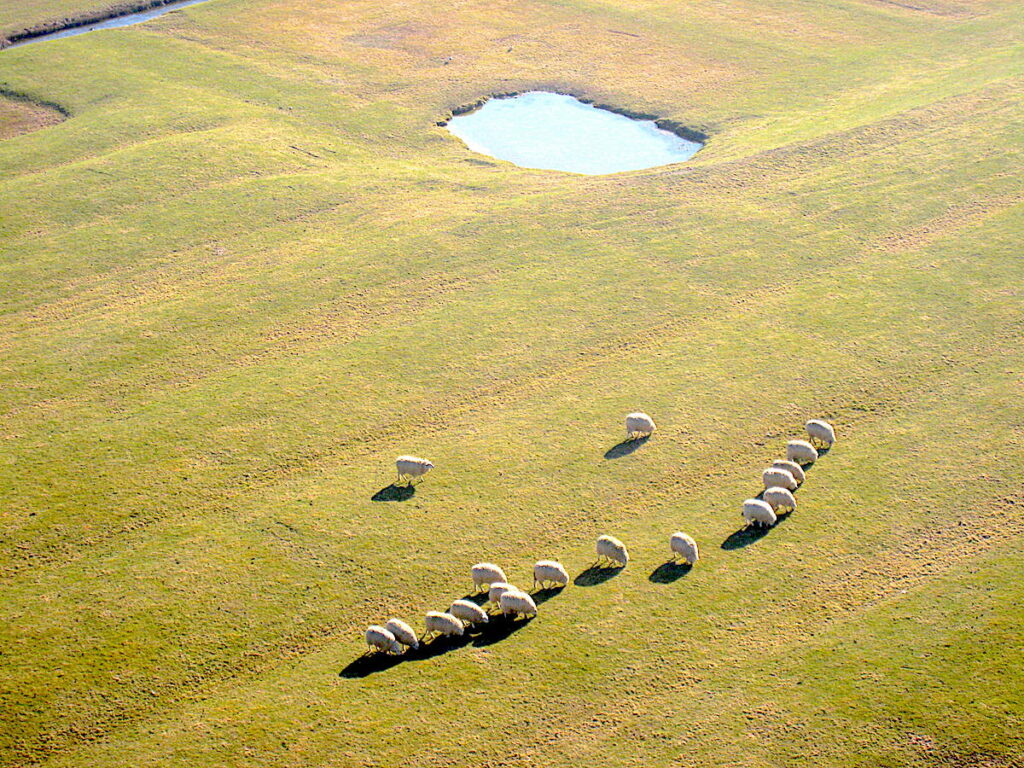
(554, 132)
(116, 21)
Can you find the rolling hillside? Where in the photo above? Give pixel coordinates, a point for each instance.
(249, 269)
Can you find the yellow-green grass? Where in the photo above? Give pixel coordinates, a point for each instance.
(250, 270)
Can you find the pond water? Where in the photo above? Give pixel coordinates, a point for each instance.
(554, 132)
(117, 21)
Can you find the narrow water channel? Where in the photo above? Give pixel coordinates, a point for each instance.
(112, 23)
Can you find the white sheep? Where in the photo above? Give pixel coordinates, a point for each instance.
(639, 425)
(549, 571)
(515, 602)
(468, 612)
(403, 633)
(684, 546)
(793, 468)
(439, 623)
(497, 589)
(411, 468)
(757, 512)
(486, 573)
(774, 476)
(779, 498)
(801, 452)
(820, 431)
(379, 639)
(611, 549)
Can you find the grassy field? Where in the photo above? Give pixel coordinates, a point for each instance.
(248, 270)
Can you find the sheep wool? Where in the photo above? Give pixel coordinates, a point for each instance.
(379, 639)
(611, 549)
(411, 467)
(684, 546)
(517, 603)
(403, 633)
(487, 573)
(497, 589)
(820, 431)
(468, 612)
(439, 623)
(801, 452)
(549, 571)
(793, 468)
(757, 512)
(778, 477)
(639, 424)
(779, 498)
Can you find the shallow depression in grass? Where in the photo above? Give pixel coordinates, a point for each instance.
(555, 132)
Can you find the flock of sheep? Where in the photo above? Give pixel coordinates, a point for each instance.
(505, 599)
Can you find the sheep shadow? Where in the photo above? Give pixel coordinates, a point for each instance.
(596, 574)
(626, 447)
(394, 493)
(371, 663)
(497, 629)
(669, 571)
(748, 534)
(543, 595)
(476, 597)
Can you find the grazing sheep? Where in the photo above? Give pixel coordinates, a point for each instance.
(497, 589)
(379, 639)
(639, 425)
(793, 468)
(439, 623)
(685, 547)
(801, 452)
(403, 633)
(410, 468)
(779, 498)
(778, 477)
(549, 571)
(820, 432)
(757, 512)
(468, 612)
(485, 574)
(611, 549)
(516, 603)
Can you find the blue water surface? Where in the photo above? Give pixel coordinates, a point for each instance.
(118, 21)
(554, 132)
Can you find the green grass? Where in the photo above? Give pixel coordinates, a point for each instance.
(249, 270)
